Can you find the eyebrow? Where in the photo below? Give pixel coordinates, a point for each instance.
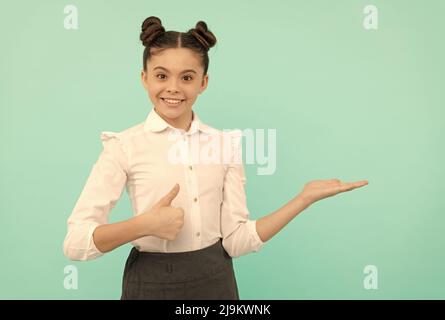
(188, 70)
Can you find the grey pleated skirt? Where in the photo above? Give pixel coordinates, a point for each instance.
(205, 274)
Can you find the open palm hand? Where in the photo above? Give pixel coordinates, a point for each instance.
(320, 189)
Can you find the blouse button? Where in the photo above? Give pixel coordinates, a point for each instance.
(198, 234)
(190, 167)
(196, 199)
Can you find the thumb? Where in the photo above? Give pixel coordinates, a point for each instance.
(168, 198)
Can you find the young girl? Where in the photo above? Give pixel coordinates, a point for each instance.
(190, 214)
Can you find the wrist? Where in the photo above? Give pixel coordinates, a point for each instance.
(302, 200)
(140, 226)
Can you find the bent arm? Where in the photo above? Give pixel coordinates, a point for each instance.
(108, 237)
(102, 190)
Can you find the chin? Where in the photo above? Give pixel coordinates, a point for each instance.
(171, 113)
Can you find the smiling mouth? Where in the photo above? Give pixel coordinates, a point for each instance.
(172, 102)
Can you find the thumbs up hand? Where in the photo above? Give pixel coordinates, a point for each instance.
(163, 220)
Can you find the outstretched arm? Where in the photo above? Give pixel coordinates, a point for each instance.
(313, 191)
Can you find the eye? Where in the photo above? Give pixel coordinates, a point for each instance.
(160, 74)
(191, 78)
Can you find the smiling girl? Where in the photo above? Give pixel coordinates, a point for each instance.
(190, 218)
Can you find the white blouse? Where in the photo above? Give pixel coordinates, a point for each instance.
(149, 159)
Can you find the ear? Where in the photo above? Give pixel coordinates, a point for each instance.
(205, 81)
(144, 79)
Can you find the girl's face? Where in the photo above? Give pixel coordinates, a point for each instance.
(174, 73)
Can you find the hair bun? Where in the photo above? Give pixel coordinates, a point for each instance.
(150, 30)
(206, 38)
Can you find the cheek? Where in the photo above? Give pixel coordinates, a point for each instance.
(154, 91)
(193, 92)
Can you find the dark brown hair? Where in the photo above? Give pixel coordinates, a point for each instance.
(153, 35)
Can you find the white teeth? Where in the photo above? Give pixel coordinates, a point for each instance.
(172, 101)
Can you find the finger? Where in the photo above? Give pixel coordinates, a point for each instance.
(360, 183)
(347, 186)
(343, 183)
(168, 198)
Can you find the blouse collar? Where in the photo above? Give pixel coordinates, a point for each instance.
(155, 123)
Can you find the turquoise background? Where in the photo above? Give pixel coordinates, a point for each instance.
(346, 102)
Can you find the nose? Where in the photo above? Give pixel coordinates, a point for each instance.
(172, 87)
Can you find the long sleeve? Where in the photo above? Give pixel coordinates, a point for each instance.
(239, 233)
(102, 190)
